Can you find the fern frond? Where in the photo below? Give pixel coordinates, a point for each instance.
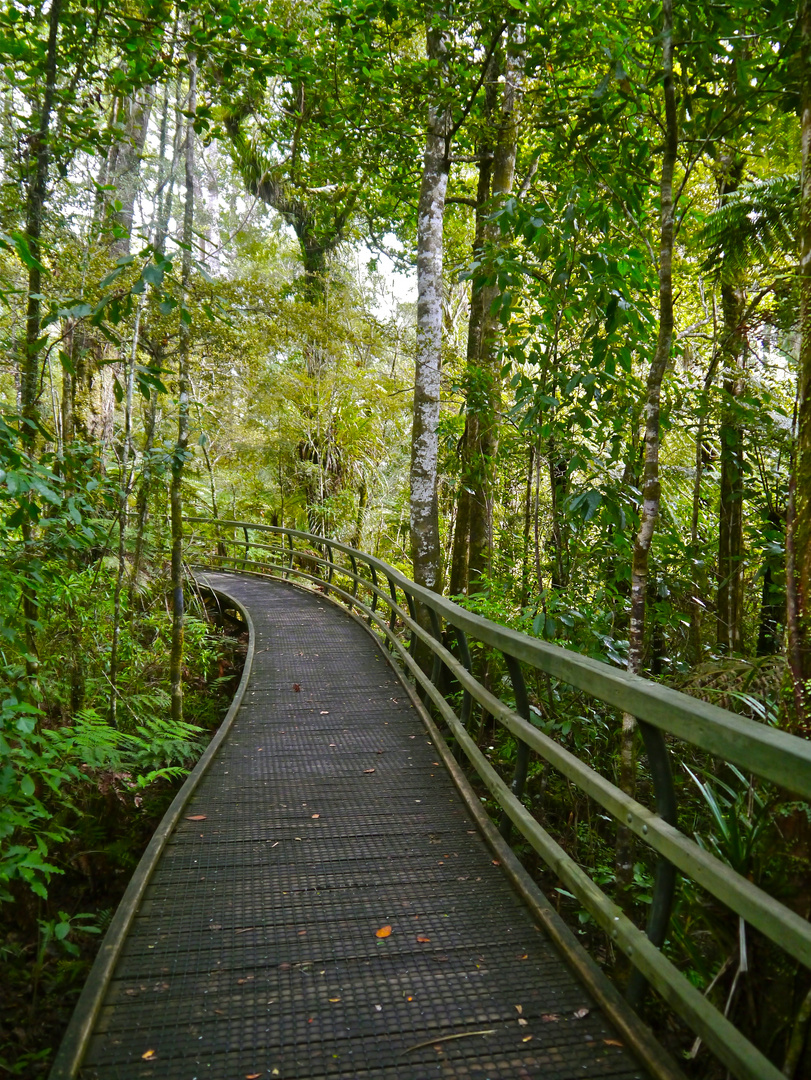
(754, 226)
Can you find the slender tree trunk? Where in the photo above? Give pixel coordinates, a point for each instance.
(773, 594)
(36, 180)
(123, 499)
(651, 486)
(799, 584)
(461, 532)
(558, 487)
(527, 528)
(181, 447)
(425, 546)
(142, 501)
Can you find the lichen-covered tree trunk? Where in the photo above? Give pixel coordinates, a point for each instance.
(799, 540)
(181, 446)
(651, 485)
(425, 546)
(124, 169)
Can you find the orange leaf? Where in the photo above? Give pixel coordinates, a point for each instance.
(423, 940)
(612, 1042)
(195, 817)
(148, 1055)
(526, 1038)
(384, 931)
(252, 1076)
(314, 816)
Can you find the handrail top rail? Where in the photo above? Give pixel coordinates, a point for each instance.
(768, 752)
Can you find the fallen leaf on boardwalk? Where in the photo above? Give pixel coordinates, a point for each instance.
(196, 817)
(522, 1021)
(384, 931)
(368, 770)
(580, 1013)
(324, 712)
(519, 1009)
(522, 956)
(274, 1072)
(301, 932)
(612, 1042)
(526, 1038)
(297, 687)
(549, 1017)
(333, 1000)
(148, 1055)
(252, 1076)
(423, 940)
(314, 816)
(434, 762)
(496, 862)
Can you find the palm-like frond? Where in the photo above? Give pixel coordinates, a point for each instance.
(755, 225)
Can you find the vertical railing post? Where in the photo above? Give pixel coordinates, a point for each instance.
(354, 563)
(522, 750)
(412, 611)
(247, 548)
(436, 630)
(664, 885)
(374, 592)
(331, 562)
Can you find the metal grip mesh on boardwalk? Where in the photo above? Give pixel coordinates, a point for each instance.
(261, 947)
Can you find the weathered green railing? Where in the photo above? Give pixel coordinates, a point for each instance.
(768, 753)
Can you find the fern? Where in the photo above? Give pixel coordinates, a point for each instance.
(755, 225)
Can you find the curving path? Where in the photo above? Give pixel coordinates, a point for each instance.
(324, 818)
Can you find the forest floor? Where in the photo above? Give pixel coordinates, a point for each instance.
(43, 975)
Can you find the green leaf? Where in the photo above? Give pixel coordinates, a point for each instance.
(27, 786)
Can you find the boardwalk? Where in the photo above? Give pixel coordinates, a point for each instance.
(324, 819)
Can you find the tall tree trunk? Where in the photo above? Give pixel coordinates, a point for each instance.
(181, 447)
(425, 546)
(651, 486)
(486, 429)
(469, 463)
(125, 171)
(799, 584)
(729, 598)
(38, 163)
(36, 181)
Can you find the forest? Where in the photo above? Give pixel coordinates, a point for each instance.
(513, 294)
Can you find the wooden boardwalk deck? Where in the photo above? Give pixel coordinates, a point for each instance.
(323, 818)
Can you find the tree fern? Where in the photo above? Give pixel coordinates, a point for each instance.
(755, 225)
